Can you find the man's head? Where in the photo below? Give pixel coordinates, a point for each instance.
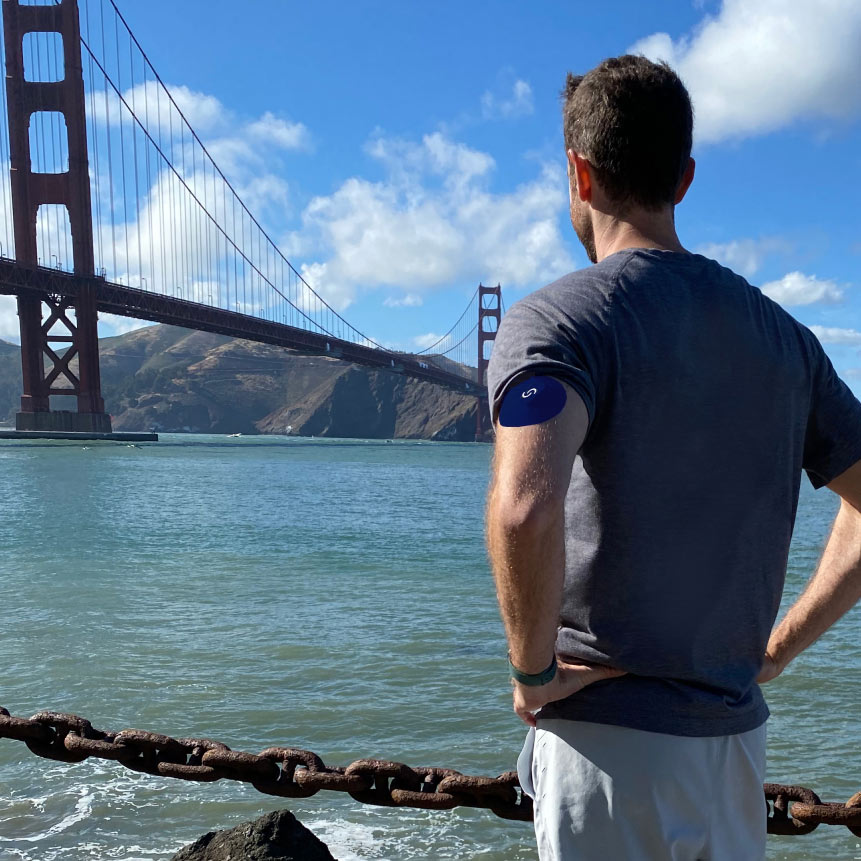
(628, 123)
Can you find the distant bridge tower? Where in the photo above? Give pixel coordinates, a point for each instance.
(72, 189)
(489, 315)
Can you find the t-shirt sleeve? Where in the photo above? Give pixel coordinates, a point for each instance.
(534, 340)
(832, 442)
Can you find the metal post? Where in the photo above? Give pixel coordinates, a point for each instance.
(71, 189)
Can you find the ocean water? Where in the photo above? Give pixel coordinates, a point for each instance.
(327, 594)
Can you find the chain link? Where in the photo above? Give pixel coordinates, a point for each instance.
(295, 773)
(283, 771)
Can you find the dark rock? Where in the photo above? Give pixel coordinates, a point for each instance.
(278, 836)
(360, 402)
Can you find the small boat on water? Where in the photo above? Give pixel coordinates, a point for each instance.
(233, 435)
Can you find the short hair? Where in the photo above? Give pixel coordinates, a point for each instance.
(632, 120)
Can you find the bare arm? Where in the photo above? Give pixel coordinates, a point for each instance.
(526, 542)
(833, 590)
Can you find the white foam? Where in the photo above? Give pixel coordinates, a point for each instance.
(138, 853)
(348, 841)
(83, 809)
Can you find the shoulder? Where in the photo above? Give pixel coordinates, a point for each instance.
(781, 319)
(581, 296)
(592, 285)
(777, 323)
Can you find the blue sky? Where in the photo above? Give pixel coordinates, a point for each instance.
(401, 152)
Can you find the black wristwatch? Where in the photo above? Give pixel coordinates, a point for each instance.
(532, 679)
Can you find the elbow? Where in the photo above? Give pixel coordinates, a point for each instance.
(525, 518)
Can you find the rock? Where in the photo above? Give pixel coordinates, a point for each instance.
(361, 402)
(278, 836)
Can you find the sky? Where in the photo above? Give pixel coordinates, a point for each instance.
(402, 152)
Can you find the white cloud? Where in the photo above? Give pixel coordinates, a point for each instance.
(516, 104)
(744, 256)
(169, 243)
(427, 340)
(759, 65)
(834, 335)
(9, 330)
(437, 155)
(204, 112)
(319, 277)
(796, 288)
(280, 132)
(113, 324)
(267, 196)
(409, 300)
(433, 222)
(247, 150)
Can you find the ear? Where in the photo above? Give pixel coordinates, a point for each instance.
(687, 179)
(581, 170)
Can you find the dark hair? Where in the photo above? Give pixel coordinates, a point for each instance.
(632, 120)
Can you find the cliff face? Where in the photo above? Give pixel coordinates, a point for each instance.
(173, 379)
(356, 402)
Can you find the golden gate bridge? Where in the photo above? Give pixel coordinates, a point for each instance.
(114, 204)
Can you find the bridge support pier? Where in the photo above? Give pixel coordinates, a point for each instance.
(489, 315)
(72, 354)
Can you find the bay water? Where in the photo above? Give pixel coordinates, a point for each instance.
(325, 594)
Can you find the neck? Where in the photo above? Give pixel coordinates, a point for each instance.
(636, 229)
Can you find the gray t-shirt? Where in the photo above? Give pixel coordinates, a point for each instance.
(706, 400)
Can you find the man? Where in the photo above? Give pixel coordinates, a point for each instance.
(653, 414)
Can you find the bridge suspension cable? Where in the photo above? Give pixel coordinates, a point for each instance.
(442, 338)
(189, 230)
(167, 221)
(454, 351)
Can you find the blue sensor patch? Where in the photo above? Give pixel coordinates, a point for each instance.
(532, 402)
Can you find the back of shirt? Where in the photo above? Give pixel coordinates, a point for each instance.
(706, 400)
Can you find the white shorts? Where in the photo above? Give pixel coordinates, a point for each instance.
(610, 793)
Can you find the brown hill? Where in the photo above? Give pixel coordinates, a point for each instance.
(171, 379)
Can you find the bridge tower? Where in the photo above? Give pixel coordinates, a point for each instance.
(30, 190)
(489, 315)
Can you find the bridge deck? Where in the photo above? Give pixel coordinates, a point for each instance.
(17, 278)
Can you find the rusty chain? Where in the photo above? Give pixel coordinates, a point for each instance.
(294, 773)
(284, 771)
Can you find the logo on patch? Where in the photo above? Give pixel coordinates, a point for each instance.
(540, 399)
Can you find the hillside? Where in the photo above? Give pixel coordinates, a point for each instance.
(171, 379)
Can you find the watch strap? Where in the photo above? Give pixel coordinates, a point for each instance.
(532, 679)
